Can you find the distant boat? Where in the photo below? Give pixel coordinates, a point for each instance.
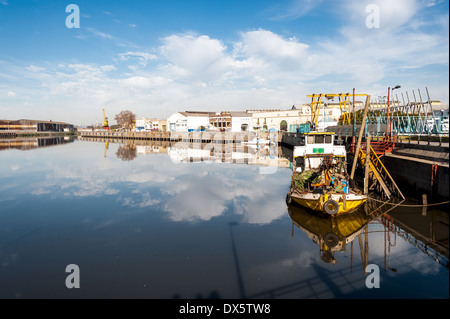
(319, 179)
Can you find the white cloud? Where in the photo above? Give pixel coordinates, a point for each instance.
(144, 82)
(431, 3)
(100, 34)
(393, 14)
(195, 57)
(264, 49)
(295, 9)
(260, 69)
(34, 68)
(370, 56)
(11, 94)
(143, 57)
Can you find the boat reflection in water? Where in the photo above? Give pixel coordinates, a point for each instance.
(332, 234)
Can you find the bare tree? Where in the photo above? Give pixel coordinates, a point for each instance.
(125, 118)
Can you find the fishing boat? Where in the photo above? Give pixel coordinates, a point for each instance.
(319, 180)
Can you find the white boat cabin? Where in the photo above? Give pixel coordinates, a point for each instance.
(318, 146)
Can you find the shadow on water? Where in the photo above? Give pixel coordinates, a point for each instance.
(334, 234)
(18, 239)
(214, 294)
(236, 261)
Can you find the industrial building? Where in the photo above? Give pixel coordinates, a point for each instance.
(35, 126)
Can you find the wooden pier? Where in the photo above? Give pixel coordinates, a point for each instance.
(193, 137)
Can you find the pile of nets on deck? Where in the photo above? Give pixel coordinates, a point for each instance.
(300, 181)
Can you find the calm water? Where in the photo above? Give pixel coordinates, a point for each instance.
(150, 222)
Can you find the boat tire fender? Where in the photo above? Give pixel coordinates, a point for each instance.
(288, 199)
(331, 240)
(331, 206)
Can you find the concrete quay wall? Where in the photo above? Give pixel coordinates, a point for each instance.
(419, 176)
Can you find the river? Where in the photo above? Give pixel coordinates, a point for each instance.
(161, 222)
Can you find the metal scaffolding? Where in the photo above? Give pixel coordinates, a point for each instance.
(413, 115)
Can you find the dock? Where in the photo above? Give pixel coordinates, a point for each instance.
(193, 137)
(419, 166)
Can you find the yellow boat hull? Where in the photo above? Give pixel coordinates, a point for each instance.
(317, 202)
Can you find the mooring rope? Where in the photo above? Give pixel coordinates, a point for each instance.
(386, 202)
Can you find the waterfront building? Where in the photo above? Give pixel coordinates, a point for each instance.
(188, 121)
(241, 121)
(220, 121)
(291, 119)
(162, 125)
(35, 126)
(144, 124)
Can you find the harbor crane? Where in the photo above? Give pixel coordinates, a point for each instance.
(344, 103)
(105, 124)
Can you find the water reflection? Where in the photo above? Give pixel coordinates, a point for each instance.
(127, 152)
(30, 143)
(330, 234)
(187, 152)
(156, 227)
(427, 231)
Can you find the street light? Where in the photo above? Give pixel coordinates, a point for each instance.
(387, 120)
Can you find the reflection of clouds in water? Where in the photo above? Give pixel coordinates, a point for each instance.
(197, 197)
(190, 191)
(40, 190)
(403, 255)
(95, 178)
(304, 259)
(145, 201)
(421, 263)
(212, 190)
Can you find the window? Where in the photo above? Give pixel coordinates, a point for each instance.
(328, 139)
(319, 139)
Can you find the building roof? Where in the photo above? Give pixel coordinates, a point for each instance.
(240, 114)
(195, 113)
(261, 111)
(31, 122)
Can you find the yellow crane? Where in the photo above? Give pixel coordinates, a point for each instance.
(344, 104)
(105, 124)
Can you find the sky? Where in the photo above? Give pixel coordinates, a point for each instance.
(156, 58)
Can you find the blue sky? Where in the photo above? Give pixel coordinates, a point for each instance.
(159, 57)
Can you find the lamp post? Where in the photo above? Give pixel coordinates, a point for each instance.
(388, 100)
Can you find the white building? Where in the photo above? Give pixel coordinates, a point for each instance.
(143, 124)
(188, 121)
(177, 123)
(241, 122)
(289, 120)
(147, 124)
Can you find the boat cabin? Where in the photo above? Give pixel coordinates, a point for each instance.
(319, 146)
